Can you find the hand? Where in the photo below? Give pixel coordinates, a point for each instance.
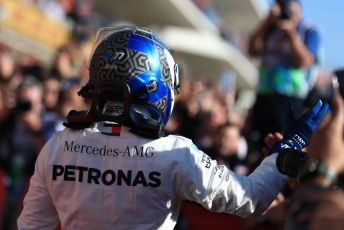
(270, 140)
(287, 26)
(32, 120)
(298, 132)
(278, 210)
(327, 143)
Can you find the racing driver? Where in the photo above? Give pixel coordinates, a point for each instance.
(112, 168)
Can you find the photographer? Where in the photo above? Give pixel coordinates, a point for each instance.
(20, 143)
(289, 50)
(24, 131)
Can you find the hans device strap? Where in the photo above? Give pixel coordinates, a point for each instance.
(132, 114)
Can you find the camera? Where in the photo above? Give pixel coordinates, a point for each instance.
(286, 12)
(23, 105)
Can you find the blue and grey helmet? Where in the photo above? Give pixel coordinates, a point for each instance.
(136, 58)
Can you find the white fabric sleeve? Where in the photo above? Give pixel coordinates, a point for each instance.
(38, 211)
(221, 190)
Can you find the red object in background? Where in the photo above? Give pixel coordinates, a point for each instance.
(198, 218)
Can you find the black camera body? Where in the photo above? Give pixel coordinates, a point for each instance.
(286, 12)
(23, 105)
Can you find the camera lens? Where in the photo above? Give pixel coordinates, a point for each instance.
(23, 105)
(286, 13)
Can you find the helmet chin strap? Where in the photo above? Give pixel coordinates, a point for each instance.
(133, 115)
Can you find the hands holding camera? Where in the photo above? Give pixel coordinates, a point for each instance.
(281, 17)
(31, 120)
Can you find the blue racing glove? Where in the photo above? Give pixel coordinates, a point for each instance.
(297, 132)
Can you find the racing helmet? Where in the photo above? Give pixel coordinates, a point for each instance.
(131, 65)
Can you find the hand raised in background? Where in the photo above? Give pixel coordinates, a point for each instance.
(327, 142)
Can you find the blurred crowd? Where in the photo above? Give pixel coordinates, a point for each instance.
(35, 99)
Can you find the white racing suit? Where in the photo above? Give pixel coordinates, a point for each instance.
(90, 179)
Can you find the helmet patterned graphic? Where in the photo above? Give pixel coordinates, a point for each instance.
(138, 58)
